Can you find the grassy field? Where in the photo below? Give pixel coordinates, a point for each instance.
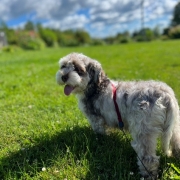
(43, 135)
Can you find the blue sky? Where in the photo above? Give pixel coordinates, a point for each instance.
(100, 18)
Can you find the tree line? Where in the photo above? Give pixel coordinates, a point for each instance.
(35, 36)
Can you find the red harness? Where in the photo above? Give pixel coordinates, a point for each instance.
(121, 124)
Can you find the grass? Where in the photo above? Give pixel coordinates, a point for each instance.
(43, 134)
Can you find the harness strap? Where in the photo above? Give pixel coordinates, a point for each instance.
(121, 124)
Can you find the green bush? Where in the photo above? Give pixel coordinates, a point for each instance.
(110, 40)
(67, 39)
(145, 34)
(8, 49)
(82, 37)
(149, 34)
(12, 37)
(29, 40)
(174, 32)
(72, 42)
(96, 42)
(32, 44)
(139, 38)
(48, 36)
(164, 37)
(122, 37)
(11, 49)
(125, 40)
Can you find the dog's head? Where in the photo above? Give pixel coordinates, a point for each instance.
(78, 71)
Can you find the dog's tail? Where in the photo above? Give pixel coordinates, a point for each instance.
(171, 135)
(175, 140)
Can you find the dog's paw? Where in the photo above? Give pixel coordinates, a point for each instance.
(100, 131)
(153, 175)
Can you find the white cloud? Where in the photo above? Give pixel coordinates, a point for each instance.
(105, 5)
(103, 14)
(70, 22)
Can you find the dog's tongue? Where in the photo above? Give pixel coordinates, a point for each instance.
(67, 90)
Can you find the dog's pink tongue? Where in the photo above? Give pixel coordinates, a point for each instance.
(67, 90)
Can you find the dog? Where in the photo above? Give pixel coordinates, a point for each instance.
(147, 109)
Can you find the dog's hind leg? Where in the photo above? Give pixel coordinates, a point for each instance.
(145, 147)
(171, 129)
(166, 138)
(175, 140)
(174, 131)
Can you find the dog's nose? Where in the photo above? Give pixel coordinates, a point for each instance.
(65, 78)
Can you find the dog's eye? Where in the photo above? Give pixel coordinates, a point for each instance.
(63, 66)
(79, 71)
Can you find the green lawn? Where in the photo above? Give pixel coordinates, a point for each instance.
(43, 135)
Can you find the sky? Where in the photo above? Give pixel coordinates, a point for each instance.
(100, 18)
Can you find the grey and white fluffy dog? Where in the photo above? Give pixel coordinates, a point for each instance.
(148, 109)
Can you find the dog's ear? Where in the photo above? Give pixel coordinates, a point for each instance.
(95, 72)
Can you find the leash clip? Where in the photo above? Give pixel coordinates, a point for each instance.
(121, 124)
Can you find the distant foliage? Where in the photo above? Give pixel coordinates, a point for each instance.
(125, 40)
(8, 49)
(82, 37)
(29, 40)
(109, 40)
(48, 36)
(73, 38)
(29, 26)
(176, 15)
(67, 38)
(123, 37)
(174, 32)
(145, 34)
(157, 32)
(32, 44)
(96, 42)
(12, 37)
(35, 36)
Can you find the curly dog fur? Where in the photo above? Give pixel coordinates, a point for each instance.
(149, 109)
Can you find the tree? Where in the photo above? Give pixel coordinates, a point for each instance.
(166, 31)
(48, 36)
(145, 34)
(29, 26)
(174, 32)
(12, 37)
(3, 26)
(156, 32)
(67, 38)
(176, 15)
(82, 37)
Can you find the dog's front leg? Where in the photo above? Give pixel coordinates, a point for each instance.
(97, 124)
(96, 120)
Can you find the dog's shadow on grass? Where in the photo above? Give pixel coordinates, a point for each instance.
(108, 156)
